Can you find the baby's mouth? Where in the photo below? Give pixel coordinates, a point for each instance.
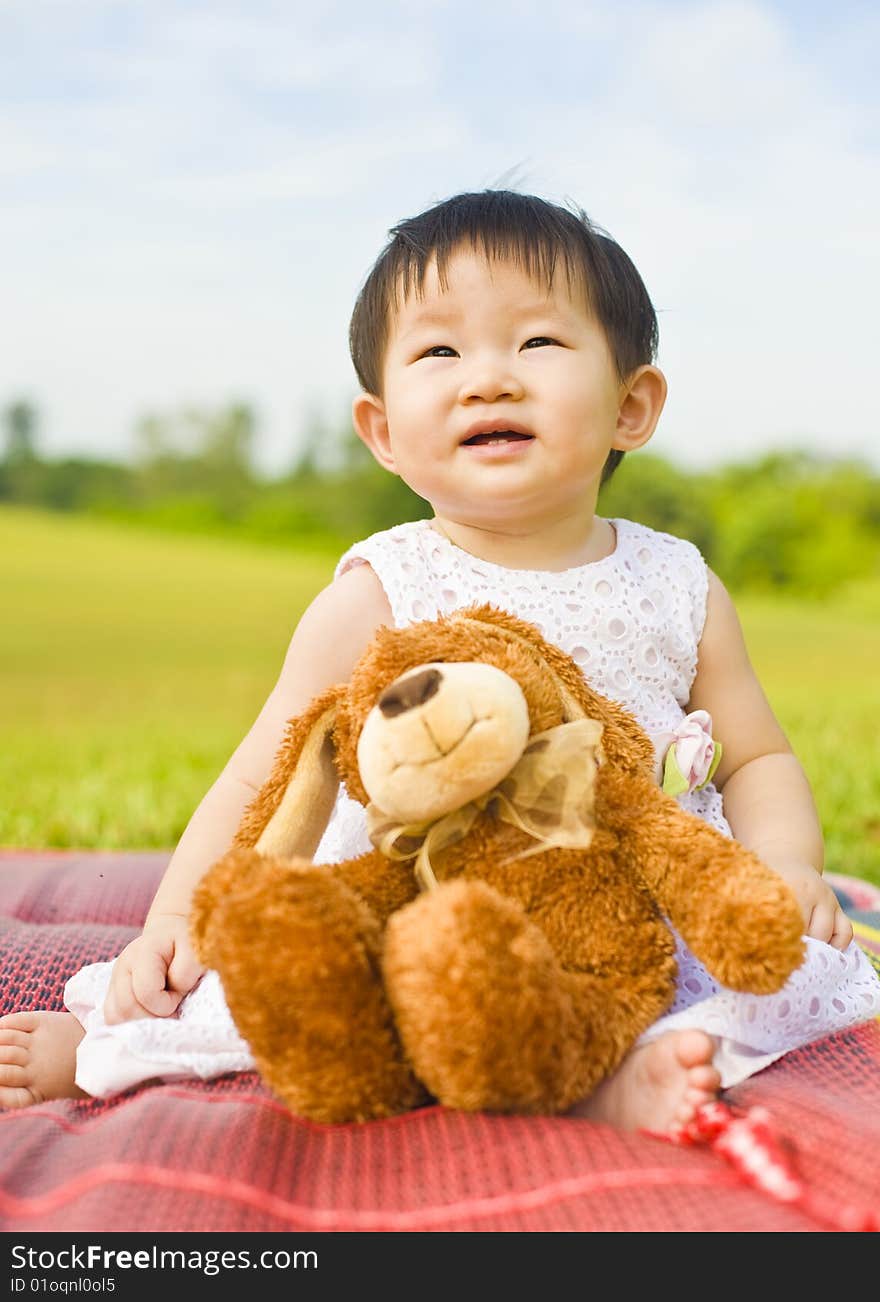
(497, 436)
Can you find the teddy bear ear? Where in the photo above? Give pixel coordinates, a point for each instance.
(290, 813)
(517, 630)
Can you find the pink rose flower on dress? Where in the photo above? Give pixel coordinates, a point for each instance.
(689, 755)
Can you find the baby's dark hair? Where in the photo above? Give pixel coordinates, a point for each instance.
(532, 233)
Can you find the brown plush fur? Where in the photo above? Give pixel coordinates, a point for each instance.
(519, 983)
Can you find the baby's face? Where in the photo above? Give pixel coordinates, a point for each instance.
(500, 400)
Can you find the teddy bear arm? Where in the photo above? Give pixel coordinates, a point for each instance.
(383, 884)
(676, 854)
(685, 861)
(734, 913)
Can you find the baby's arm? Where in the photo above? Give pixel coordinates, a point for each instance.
(767, 798)
(158, 968)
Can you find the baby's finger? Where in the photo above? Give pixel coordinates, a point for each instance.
(822, 921)
(843, 930)
(148, 987)
(122, 1006)
(118, 1001)
(184, 971)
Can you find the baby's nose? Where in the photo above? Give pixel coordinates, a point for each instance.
(492, 380)
(410, 692)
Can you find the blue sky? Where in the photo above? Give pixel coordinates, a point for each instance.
(193, 192)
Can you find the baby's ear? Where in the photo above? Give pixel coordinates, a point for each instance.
(290, 813)
(371, 426)
(641, 402)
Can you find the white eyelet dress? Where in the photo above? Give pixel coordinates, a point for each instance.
(633, 623)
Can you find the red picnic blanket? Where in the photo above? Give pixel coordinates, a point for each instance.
(226, 1156)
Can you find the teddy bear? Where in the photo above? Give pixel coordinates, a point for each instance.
(506, 940)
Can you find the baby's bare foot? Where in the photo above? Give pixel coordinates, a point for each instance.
(38, 1058)
(658, 1086)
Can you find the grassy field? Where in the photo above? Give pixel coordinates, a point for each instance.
(132, 663)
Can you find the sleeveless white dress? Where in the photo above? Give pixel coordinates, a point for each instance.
(633, 623)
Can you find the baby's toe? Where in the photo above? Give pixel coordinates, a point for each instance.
(694, 1049)
(21, 1022)
(13, 1074)
(705, 1079)
(14, 1055)
(15, 1098)
(8, 1038)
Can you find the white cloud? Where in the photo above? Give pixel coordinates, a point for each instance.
(743, 183)
(303, 46)
(330, 166)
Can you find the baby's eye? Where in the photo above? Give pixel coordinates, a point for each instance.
(439, 350)
(539, 339)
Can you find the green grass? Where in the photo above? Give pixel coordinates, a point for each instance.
(818, 665)
(132, 663)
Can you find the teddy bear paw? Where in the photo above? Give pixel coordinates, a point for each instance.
(298, 955)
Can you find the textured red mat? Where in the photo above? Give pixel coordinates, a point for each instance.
(226, 1157)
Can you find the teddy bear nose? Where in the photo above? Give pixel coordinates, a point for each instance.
(412, 691)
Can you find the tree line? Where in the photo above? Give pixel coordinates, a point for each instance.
(782, 521)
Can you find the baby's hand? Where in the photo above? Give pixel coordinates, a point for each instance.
(824, 919)
(153, 972)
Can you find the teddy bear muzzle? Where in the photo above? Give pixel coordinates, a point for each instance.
(441, 735)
